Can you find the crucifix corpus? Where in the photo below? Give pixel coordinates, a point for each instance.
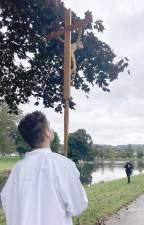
(69, 60)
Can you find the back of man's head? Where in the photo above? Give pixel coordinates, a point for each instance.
(32, 128)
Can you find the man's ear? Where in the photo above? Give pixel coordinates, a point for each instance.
(47, 133)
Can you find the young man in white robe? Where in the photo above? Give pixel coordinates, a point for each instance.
(43, 188)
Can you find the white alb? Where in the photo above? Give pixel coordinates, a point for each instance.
(43, 189)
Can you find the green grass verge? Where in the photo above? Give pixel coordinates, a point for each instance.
(7, 163)
(105, 198)
(2, 219)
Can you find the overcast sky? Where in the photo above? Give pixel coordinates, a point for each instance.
(116, 117)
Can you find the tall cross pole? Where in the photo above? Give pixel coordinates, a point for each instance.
(68, 27)
(67, 76)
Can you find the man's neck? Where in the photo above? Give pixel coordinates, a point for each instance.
(45, 145)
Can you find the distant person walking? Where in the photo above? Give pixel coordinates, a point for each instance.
(128, 169)
(90, 180)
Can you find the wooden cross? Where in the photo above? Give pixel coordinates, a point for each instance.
(68, 27)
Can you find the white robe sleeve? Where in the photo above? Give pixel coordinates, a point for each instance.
(6, 192)
(2, 196)
(72, 192)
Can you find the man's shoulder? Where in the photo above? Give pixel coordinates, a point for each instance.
(65, 164)
(58, 159)
(18, 165)
(62, 159)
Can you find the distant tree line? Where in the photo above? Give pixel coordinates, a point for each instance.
(10, 139)
(119, 152)
(80, 143)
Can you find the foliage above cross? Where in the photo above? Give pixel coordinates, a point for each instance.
(29, 67)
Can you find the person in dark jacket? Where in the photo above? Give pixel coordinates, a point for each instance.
(128, 169)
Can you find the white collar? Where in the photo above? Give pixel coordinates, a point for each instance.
(37, 151)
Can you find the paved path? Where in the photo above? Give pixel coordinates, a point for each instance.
(130, 215)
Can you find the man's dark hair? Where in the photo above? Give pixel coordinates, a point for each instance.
(32, 128)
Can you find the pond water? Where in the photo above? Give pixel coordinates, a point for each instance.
(106, 171)
(100, 171)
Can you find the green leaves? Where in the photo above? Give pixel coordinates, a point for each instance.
(30, 66)
(7, 125)
(55, 145)
(80, 146)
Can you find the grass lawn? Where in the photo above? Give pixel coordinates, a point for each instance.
(106, 198)
(7, 163)
(2, 220)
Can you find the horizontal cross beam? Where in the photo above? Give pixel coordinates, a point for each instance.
(77, 25)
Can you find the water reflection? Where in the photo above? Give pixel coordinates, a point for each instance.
(100, 171)
(86, 171)
(106, 171)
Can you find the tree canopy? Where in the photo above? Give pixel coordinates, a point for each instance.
(10, 139)
(55, 145)
(80, 146)
(7, 126)
(21, 146)
(30, 66)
